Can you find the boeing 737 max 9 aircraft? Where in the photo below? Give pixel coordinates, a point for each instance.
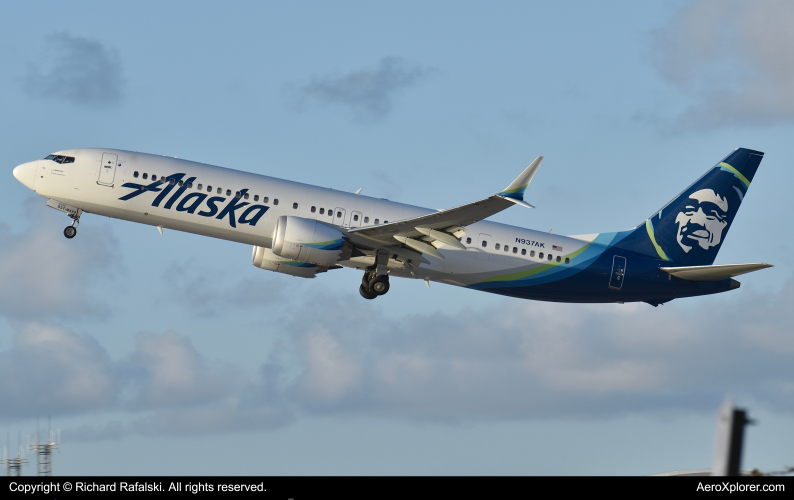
(304, 230)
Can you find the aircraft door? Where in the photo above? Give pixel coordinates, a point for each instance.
(618, 272)
(107, 169)
(355, 219)
(339, 216)
(482, 250)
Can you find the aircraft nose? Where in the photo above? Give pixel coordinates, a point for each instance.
(26, 173)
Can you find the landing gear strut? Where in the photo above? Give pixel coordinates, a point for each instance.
(373, 284)
(71, 230)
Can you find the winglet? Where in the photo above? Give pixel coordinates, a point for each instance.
(517, 188)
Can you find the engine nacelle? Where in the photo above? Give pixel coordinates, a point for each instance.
(306, 240)
(264, 258)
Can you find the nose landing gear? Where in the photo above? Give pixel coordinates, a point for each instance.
(73, 212)
(71, 231)
(373, 285)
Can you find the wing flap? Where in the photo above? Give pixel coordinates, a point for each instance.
(712, 273)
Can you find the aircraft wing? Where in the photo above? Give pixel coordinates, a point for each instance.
(712, 273)
(426, 233)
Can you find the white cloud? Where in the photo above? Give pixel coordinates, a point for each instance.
(169, 372)
(209, 291)
(368, 93)
(518, 360)
(329, 370)
(42, 274)
(734, 57)
(538, 360)
(50, 369)
(82, 71)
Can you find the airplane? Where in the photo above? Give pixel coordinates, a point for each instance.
(303, 230)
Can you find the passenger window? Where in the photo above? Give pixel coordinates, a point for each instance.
(355, 217)
(385, 222)
(339, 214)
(256, 197)
(145, 175)
(322, 211)
(484, 243)
(532, 253)
(190, 185)
(294, 206)
(468, 240)
(172, 181)
(180, 183)
(540, 255)
(209, 189)
(497, 246)
(567, 260)
(219, 191)
(265, 199)
(515, 249)
(550, 257)
(314, 209)
(366, 220)
(507, 248)
(228, 192)
(200, 187)
(523, 251)
(154, 177)
(275, 201)
(377, 221)
(558, 258)
(135, 174)
(236, 194)
(246, 196)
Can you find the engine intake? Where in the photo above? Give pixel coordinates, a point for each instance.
(306, 240)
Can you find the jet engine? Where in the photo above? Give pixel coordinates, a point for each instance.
(309, 241)
(264, 258)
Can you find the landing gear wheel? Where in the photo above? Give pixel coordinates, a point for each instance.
(380, 284)
(70, 232)
(364, 291)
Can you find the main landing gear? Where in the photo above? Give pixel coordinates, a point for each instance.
(71, 231)
(373, 284)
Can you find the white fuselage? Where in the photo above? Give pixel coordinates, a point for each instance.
(83, 184)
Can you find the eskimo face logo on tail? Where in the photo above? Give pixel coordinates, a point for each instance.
(703, 220)
(250, 214)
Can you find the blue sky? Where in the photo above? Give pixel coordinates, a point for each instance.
(173, 355)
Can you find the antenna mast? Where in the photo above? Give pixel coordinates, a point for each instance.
(14, 465)
(44, 450)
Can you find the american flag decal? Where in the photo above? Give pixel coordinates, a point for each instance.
(556, 248)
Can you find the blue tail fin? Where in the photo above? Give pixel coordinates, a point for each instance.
(689, 230)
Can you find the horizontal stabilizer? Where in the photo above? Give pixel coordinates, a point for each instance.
(712, 273)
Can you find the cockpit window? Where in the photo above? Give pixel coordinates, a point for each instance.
(60, 158)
